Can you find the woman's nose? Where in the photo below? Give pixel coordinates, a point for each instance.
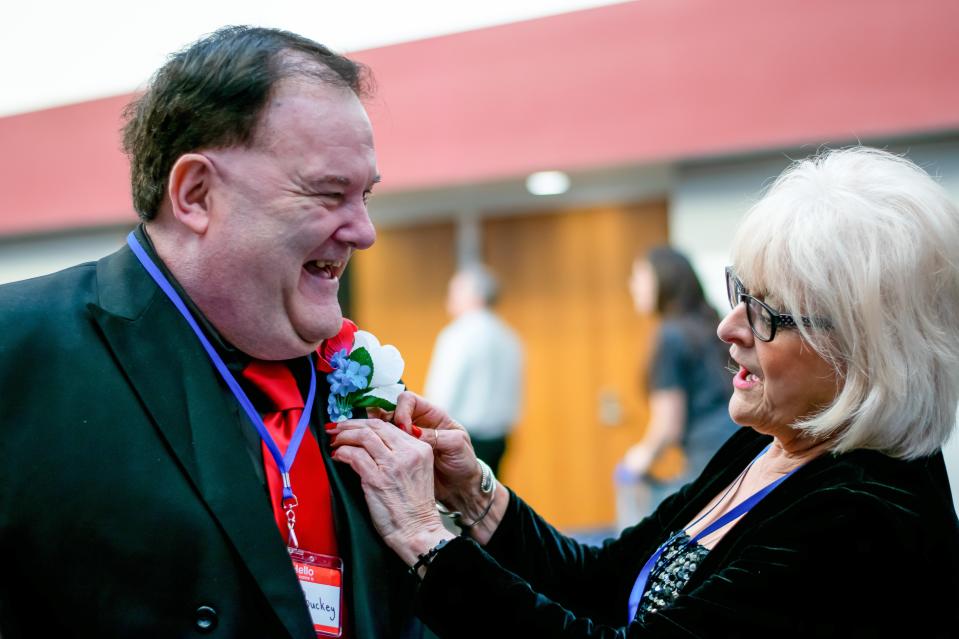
(734, 329)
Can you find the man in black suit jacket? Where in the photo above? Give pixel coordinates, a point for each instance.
(133, 498)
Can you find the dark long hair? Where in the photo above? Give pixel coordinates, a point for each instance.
(679, 297)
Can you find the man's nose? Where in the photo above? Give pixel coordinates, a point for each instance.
(358, 230)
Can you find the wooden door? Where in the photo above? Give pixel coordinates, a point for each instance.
(564, 277)
(398, 291)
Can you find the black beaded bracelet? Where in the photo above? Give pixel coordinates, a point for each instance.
(426, 559)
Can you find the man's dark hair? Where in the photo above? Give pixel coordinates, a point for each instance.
(211, 94)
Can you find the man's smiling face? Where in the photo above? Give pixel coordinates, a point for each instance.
(287, 212)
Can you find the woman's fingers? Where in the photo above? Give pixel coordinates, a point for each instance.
(452, 440)
(449, 441)
(358, 459)
(405, 407)
(361, 433)
(413, 409)
(379, 438)
(375, 412)
(410, 429)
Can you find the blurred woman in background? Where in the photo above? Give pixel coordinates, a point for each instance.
(687, 380)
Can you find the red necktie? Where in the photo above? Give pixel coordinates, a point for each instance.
(314, 512)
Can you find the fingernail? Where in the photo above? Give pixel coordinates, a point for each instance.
(331, 426)
(415, 431)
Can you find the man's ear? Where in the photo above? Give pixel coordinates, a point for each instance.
(189, 189)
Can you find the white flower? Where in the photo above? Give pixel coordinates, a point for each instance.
(387, 367)
(389, 393)
(387, 361)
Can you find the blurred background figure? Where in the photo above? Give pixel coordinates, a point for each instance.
(476, 371)
(687, 383)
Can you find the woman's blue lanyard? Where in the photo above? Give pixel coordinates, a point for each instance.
(636, 593)
(283, 462)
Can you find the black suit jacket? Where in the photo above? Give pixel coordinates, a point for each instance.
(130, 502)
(856, 545)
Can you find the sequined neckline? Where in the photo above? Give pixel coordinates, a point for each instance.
(677, 563)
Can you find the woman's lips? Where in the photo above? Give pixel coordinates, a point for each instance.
(744, 380)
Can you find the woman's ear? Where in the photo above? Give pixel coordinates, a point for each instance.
(189, 190)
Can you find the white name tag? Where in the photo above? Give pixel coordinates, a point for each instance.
(321, 578)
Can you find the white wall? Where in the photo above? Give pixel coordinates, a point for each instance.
(21, 258)
(706, 205)
(708, 201)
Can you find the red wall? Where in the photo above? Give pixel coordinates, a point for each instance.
(662, 79)
(63, 168)
(646, 81)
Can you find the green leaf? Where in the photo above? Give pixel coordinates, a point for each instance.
(368, 401)
(354, 398)
(363, 356)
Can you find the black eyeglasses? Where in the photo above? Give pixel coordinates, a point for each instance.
(763, 320)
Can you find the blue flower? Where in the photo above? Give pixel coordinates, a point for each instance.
(338, 358)
(348, 376)
(338, 408)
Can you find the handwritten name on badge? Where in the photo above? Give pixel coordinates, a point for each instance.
(323, 599)
(323, 608)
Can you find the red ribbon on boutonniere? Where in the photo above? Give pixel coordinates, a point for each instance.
(332, 345)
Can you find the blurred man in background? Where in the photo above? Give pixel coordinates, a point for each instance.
(476, 371)
(145, 396)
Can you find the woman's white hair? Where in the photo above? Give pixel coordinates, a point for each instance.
(867, 240)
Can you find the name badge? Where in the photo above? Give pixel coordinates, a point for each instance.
(321, 578)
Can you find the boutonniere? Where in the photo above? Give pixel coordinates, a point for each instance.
(360, 371)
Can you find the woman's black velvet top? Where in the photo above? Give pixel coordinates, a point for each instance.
(854, 545)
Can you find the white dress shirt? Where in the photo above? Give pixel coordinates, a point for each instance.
(476, 373)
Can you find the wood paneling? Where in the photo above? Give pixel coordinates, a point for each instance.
(564, 280)
(399, 291)
(563, 277)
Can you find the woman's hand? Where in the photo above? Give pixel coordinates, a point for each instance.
(458, 473)
(396, 471)
(638, 459)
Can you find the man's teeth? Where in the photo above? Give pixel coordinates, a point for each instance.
(751, 378)
(331, 268)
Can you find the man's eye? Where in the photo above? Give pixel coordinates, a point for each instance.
(366, 196)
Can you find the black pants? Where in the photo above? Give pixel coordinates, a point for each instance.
(490, 450)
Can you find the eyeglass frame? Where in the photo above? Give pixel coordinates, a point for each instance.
(778, 319)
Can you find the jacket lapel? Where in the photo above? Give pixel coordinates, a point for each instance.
(187, 402)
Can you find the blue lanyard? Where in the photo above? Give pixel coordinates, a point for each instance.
(283, 462)
(639, 586)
